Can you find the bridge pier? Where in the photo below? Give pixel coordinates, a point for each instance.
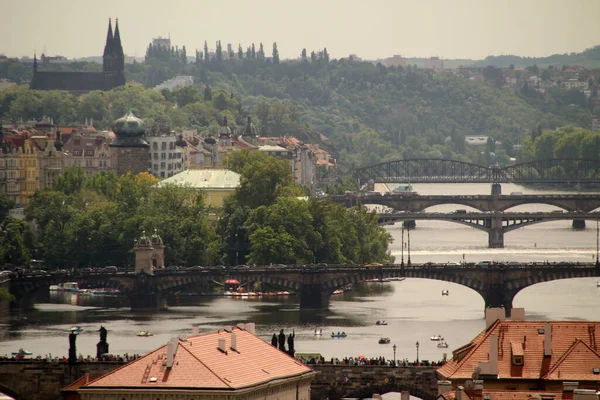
(313, 297)
(25, 301)
(147, 301)
(578, 224)
(496, 295)
(495, 233)
(496, 189)
(410, 224)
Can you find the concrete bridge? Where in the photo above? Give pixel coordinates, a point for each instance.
(496, 224)
(496, 283)
(43, 380)
(415, 202)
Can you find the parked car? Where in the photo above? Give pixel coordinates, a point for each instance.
(110, 268)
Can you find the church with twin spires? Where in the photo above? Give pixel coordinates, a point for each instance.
(112, 75)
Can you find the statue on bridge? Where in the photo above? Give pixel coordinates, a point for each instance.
(290, 341)
(72, 348)
(281, 340)
(274, 340)
(102, 346)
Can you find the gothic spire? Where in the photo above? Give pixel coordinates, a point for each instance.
(108, 47)
(118, 47)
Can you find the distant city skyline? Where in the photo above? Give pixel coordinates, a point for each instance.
(457, 29)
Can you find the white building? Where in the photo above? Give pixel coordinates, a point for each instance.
(574, 84)
(168, 155)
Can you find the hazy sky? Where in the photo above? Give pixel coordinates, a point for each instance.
(369, 28)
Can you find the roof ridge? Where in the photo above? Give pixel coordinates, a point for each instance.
(474, 348)
(207, 367)
(566, 354)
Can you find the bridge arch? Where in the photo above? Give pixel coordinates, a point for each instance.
(4, 389)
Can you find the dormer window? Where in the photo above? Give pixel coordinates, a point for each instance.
(517, 354)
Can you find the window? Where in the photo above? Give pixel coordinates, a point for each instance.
(517, 360)
(155, 166)
(162, 165)
(163, 146)
(162, 174)
(156, 155)
(155, 146)
(163, 156)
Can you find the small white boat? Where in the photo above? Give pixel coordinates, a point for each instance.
(436, 338)
(338, 291)
(21, 352)
(445, 293)
(381, 323)
(144, 334)
(76, 330)
(442, 345)
(384, 340)
(598, 284)
(319, 332)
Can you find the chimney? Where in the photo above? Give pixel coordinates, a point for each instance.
(570, 386)
(491, 366)
(222, 345)
(234, 341)
(460, 391)
(524, 342)
(492, 314)
(195, 329)
(517, 314)
(444, 387)
(251, 328)
(477, 389)
(404, 395)
(171, 351)
(585, 394)
(548, 340)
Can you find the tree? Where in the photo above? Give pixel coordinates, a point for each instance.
(14, 235)
(303, 55)
(219, 52)
(220, 102)
(206, 54)
(6, 204)
(207, 93)
(261, 52)
(275, 53)
(325, 55)
(253, 51)
(183, 55)
(240, 52)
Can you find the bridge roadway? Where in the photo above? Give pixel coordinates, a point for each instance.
(496, 224)
(416, 202)
(497, 284)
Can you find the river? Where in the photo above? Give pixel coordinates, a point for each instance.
(413, 308)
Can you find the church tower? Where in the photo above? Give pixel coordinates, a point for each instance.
(130, 147)
(113, 59)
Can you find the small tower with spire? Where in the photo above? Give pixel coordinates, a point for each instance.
(225, 134)
(250, 134)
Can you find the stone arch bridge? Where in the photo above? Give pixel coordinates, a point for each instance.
(496, 283)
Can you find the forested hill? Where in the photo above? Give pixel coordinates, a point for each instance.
(589, 58)
(376, 114)
(370, 112)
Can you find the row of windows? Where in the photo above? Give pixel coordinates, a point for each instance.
(163, 146)
(163, 156)
(8, 163)
(164, 165)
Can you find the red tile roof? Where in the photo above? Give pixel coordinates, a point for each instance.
(511, 395)
(199, 364)
(575, 348)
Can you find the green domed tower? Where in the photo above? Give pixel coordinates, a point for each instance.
(129, 144)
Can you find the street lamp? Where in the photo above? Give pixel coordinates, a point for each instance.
(402, 262)
(597, 243)
(237, 249)
(408, 229)
(417, 344)
(394, 347)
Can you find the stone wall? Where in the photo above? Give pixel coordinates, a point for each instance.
(40, 380)
(132, 159)
(337, 381)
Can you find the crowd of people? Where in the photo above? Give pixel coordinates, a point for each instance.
(81, 359)
(374, 361)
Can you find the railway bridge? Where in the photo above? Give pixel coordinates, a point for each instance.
(497, 284)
